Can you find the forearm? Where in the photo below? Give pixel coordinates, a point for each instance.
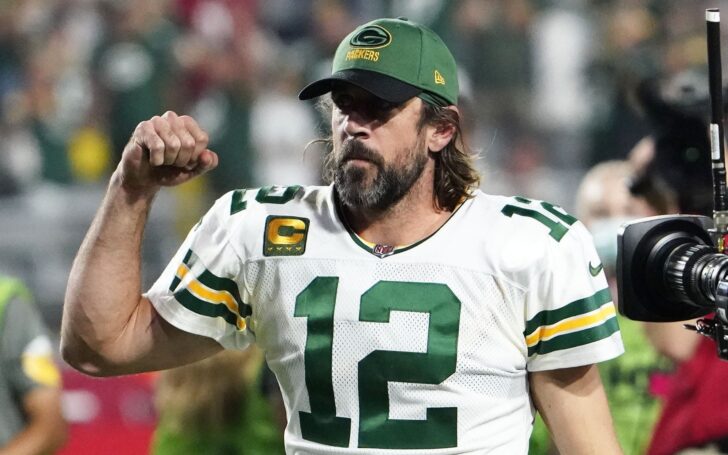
(672, 340)
(45, 432)
(108, 328)
(34, 440)
(574, 407)
(104, 286)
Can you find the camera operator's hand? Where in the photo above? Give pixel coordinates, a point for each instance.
(164, 151)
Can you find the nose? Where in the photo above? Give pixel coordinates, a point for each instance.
(356, 124)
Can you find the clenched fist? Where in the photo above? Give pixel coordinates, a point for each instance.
(165, 151)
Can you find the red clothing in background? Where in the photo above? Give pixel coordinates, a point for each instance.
(696, 407)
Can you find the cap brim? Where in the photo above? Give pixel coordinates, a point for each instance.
(379, 85)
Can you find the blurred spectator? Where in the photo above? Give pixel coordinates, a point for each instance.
(133, 65)
(20, 160)
(76, 75)
(675, 159)
(603, 203)
(30, 395)
(693, 418)
(563, 46)
(218, 406)
(491, 41)
(627, 52)
(217, 55)
(282, 125)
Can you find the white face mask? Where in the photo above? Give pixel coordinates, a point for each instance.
(605, 232)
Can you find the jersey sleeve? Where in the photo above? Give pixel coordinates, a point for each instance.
(27, 351)
(570, 317)
(201, 290)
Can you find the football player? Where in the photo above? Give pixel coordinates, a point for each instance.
(402, 310)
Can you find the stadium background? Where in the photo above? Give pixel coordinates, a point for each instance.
(547, 92)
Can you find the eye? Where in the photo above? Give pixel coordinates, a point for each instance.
(384, 106)
(343, 100)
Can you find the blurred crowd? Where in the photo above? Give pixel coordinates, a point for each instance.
(548, 89)
(547, 82)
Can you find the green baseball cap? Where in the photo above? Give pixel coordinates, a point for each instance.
(394, 59)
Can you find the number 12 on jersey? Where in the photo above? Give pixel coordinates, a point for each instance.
(557, 228)
(376, 430)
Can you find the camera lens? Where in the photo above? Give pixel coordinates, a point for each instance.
(692, 272)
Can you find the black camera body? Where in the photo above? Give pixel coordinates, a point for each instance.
(668, 269)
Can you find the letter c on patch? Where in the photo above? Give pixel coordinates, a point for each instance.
(286, 231)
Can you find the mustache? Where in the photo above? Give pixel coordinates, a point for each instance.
(353, 149)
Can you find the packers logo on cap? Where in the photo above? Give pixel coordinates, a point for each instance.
(372, 37)
(394, 59)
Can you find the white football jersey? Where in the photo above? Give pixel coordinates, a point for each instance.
(421, 349)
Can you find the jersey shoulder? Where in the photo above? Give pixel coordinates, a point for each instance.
(528, 220)
(275, 218)
(245, 206)
(524, 236)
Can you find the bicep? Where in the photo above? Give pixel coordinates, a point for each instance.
(173, 347)
(149, 343)
(574, 407)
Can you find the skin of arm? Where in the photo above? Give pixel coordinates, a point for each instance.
(108, 327)
(672, 339)
(46, 430)
(574, 407)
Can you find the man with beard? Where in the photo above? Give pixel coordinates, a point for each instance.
(402, 310)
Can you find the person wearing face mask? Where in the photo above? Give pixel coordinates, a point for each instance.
(604, 202)
(676, 156)
(674, 160)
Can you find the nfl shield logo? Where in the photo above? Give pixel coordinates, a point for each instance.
(383, 250)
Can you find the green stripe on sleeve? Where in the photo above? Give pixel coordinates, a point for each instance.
(213, 310)
(574, 339)
(176, 280)
(576, 308)
(213, 281)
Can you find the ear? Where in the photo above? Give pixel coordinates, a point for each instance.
(441, 134)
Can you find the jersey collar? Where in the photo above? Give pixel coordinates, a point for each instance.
(379, 250)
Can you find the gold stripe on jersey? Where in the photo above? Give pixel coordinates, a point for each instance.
(588, 320)
(210, 295)
(216, 297)
(577, 323)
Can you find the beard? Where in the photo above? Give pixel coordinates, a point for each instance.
(388, 186)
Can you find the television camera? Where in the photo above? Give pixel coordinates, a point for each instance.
(675, 267)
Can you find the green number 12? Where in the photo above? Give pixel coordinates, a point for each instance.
(557, 230)
(376, 370)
